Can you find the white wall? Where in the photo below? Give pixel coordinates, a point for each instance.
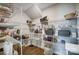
(57, 12)
(77, 8)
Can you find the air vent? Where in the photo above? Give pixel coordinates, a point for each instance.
(33, 12)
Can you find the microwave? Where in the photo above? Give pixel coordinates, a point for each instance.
(65, 33)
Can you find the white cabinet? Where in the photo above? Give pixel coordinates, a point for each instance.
(37, 42)
(48, 48)
(7, 48)
(72, 48)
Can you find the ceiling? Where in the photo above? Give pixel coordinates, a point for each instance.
(26, 6)
(44, 6)
(33, 10)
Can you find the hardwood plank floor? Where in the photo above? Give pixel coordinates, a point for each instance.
(32, 50)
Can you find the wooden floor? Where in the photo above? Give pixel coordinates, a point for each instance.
(32, 50)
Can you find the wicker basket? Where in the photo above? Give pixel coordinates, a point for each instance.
(70, 16)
